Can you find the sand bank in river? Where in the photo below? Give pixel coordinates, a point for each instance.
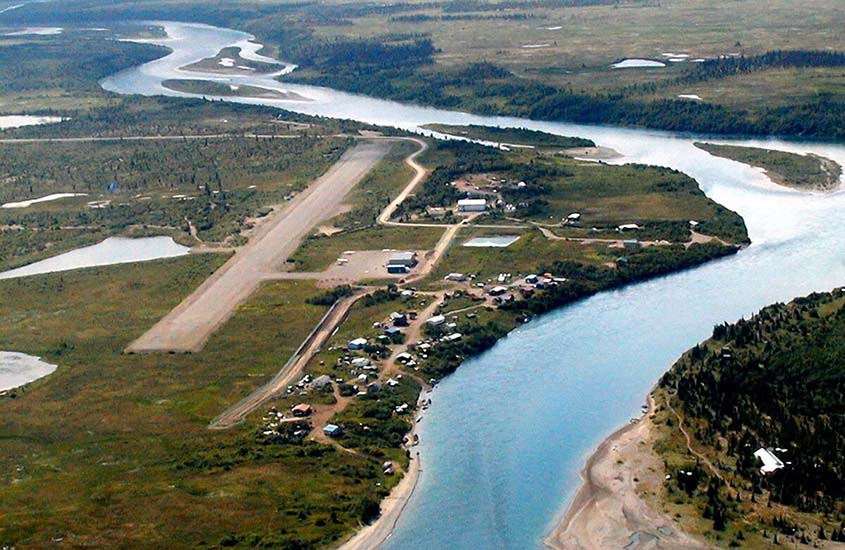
(607, 511)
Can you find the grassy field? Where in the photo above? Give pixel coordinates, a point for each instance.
(789, 169)
(521, 258)
(318, 253)
(83, 448)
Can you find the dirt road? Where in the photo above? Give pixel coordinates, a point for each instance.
(189, 325)
(292, 369)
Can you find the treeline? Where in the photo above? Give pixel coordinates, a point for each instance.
(640, 264)
(777, 381)
(727, 66)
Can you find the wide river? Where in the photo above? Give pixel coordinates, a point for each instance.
(507, 434)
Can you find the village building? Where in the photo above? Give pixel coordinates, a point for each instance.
(399, 319)
(303, 409)
(437, 320)
(321, 381)
(356, 344)
(333, 430)
(408, 259)
(472, 205)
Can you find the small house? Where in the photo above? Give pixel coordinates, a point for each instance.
(356, 344)
(472, 205)
(333, 430)
(303, 409)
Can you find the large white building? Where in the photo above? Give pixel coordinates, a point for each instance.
(472, 205)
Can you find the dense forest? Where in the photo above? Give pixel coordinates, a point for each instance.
(776, 380)
(68, 62)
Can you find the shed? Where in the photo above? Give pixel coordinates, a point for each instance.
(333, 430)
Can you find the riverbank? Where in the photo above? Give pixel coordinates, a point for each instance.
(372, 536)
(608, 511)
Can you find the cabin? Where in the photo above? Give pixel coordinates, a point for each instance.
(408, 259)
(771, 463)
(301, 410)
(333, 430)
(356, 344)
(472, 205)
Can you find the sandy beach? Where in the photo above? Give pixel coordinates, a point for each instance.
(607, 511)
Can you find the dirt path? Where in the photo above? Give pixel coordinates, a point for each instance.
(607, 511)
(188, 326)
